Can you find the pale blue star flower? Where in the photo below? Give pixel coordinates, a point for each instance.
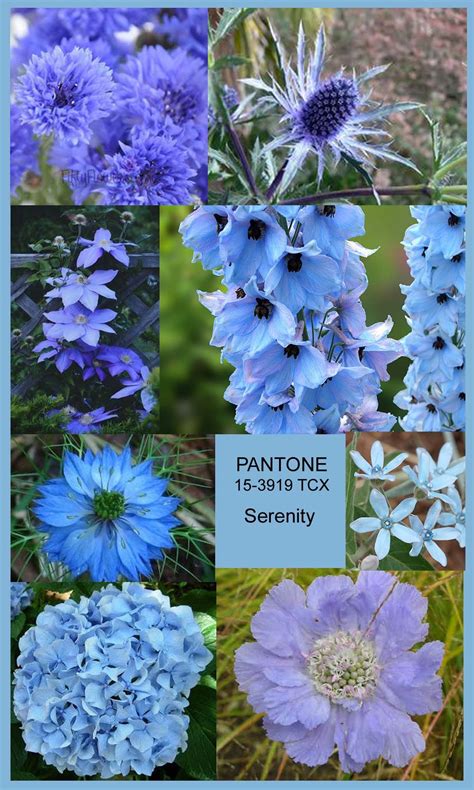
(457, 517)
(427, 535)
(376, 469)
(425, 477)
(386, 523)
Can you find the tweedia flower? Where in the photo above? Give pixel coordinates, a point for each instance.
(377, 469)
(20, 597)
(62, 93)
(106, 516)
(102, 685)
(333, 668)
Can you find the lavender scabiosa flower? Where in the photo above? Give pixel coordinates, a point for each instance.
(95, 248)
(90, 421)
(20, 597)
(334, 667)
(76, 322)
(102, 686)
(377, 469)
(106, 515)
(386, 523)
(62, 93)
(78, 288)
(330, 118)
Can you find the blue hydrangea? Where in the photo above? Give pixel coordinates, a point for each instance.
(334, 668)
(106, 515)
(102, 685)
(20, 597)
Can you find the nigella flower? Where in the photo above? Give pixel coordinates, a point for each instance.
(106, 515)
(20, 597)
(23, 150)
(387, 522)
(331, 117)
(76, 322)
(62, 93)
(138, 383)
(376, 469)
(100, 244)
(76, 287)
(334, 668)
(89, 422)
(457, 517)
(427, 535)
(101, 686)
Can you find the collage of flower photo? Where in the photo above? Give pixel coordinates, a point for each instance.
(247, 221)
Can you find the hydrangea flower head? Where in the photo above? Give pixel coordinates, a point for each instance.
(427, 534)
(334, 668)
(387, 523)
(102, 685)
(106, 515)
(20, 597)
(331, 117)
(62, 93)
(100, 244)
(376, 469)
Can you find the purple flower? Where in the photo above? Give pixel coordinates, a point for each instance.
(133, 385)
(63, 356)
(75, 287)
(62, 93)
(334, 668)
(102, 243)
(23, 150)
(76, 322)
(89, 422)
(120, 360)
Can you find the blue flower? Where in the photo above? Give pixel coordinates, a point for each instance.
(106, 515)
(102, 686)
(20, 597)
(100, 245)
(186, 27)
(78, 288)
(74, 322)
(23, 150)
(331, 227)
(427, 535)
(279, 367)
(89, 422)
(377, 469)
(333, 668)
(273, 414)
(444, 226)
(331, 118)
(457, 517)
(62, 93)
(427, 479)
(303, 277)
(201, 231)
(138, 382)
(64, 356)
(386, 523)
(251, 241)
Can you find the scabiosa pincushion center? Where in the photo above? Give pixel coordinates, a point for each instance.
(102, 685)
(326, 112)
(334, 667)
(106, 515)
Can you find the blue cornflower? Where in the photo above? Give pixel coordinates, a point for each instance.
(89, 422)
(20, 597)
(332, 117)
(102, 685)
(331, 226)
(386, 523)
(333, 667)
(76, 322)
(251, 241)
(63, 93)
(427, 535)
(457, 517)
(106, 515)
(377, 469)
(23, 150)
(302, 277)
(186, 27)
(101, 243)
(78, 288)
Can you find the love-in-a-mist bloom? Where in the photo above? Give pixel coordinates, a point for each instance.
(106, 515)
(386, 523)
(334, 668)
(102, 685)
(330, 117)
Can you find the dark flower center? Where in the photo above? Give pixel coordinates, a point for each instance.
(462, 396)
(329, 211)
(278, 408)
(256, 229)
(327, 111)
(456, 258)
(179, 105)
(263, 308)
(221, 221)
(109, 504)
(453, 220)
(423, 252)
(240, 293)
(442, 298)
(62, 95)
(439, 343)
(294, 262)
(431, 408)
(292, 351)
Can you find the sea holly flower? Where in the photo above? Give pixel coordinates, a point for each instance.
(387, 522)
(457, 517)
(76, 322)
(20, 597)
(89, 422)
(334, 667)
(100, 244)
(106, 515)
(376, 469)
(251, 241)
(76, 287)
(330, 118)
(94, 699)
(62, 93)
(427, 535)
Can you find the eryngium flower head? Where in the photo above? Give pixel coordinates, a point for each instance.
(331, 118)
(63, 93)
(20, 597)
(102, 684)
(334, 668)
(106, 516)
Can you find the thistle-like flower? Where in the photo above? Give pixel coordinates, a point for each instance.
(331, 118)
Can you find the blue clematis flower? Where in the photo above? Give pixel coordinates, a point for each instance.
(89, 422)
(427, 535)
(376, 469)
(100, 244)
(76, 287)
(76, 322)
(386, 523)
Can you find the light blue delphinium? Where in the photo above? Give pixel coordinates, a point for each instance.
(457, 517)
(387, 522)
(427, 534)
(102, 685)
(106, 515)
(251, 241)
(331, 118)
(20, 597)
(376, 469)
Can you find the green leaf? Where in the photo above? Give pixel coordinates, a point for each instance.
(399, 559)
(230, 18)
(207, 624)
(229, 62)
(362, 172)
(17, 625)
(199, 759)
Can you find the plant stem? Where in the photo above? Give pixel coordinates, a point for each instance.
(455, 188)
(322, 197)
(243, 159)
(276, 181)
(450, 166)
